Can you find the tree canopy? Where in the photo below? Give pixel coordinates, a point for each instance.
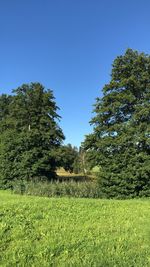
(120, 142)
(29, 134)
(68, 157)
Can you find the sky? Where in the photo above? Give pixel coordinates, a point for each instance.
(69, 47)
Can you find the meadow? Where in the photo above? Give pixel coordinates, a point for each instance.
(40, 231)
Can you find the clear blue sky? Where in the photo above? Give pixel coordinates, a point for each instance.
(69, 46)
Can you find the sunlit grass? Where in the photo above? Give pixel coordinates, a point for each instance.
(73, 232)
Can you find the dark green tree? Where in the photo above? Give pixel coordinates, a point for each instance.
(5, 101)
(68, 157)
(31, 138)
(120, 142)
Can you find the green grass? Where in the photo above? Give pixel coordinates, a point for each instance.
(38, 231)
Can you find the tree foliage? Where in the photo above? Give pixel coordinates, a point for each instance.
(120, 142)
(68, 157)
(29, 134)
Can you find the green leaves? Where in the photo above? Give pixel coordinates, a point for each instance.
(122, 127)
(30, 134)
(69, 157)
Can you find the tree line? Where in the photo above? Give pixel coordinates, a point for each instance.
(31, 140)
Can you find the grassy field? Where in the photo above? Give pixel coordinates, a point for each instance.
(37, 231)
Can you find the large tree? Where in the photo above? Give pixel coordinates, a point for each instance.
(120, 142)
(30, 136)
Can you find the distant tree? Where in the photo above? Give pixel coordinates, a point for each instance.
(30, 136)
(120, 142)
(82, 163)
(68, 157)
